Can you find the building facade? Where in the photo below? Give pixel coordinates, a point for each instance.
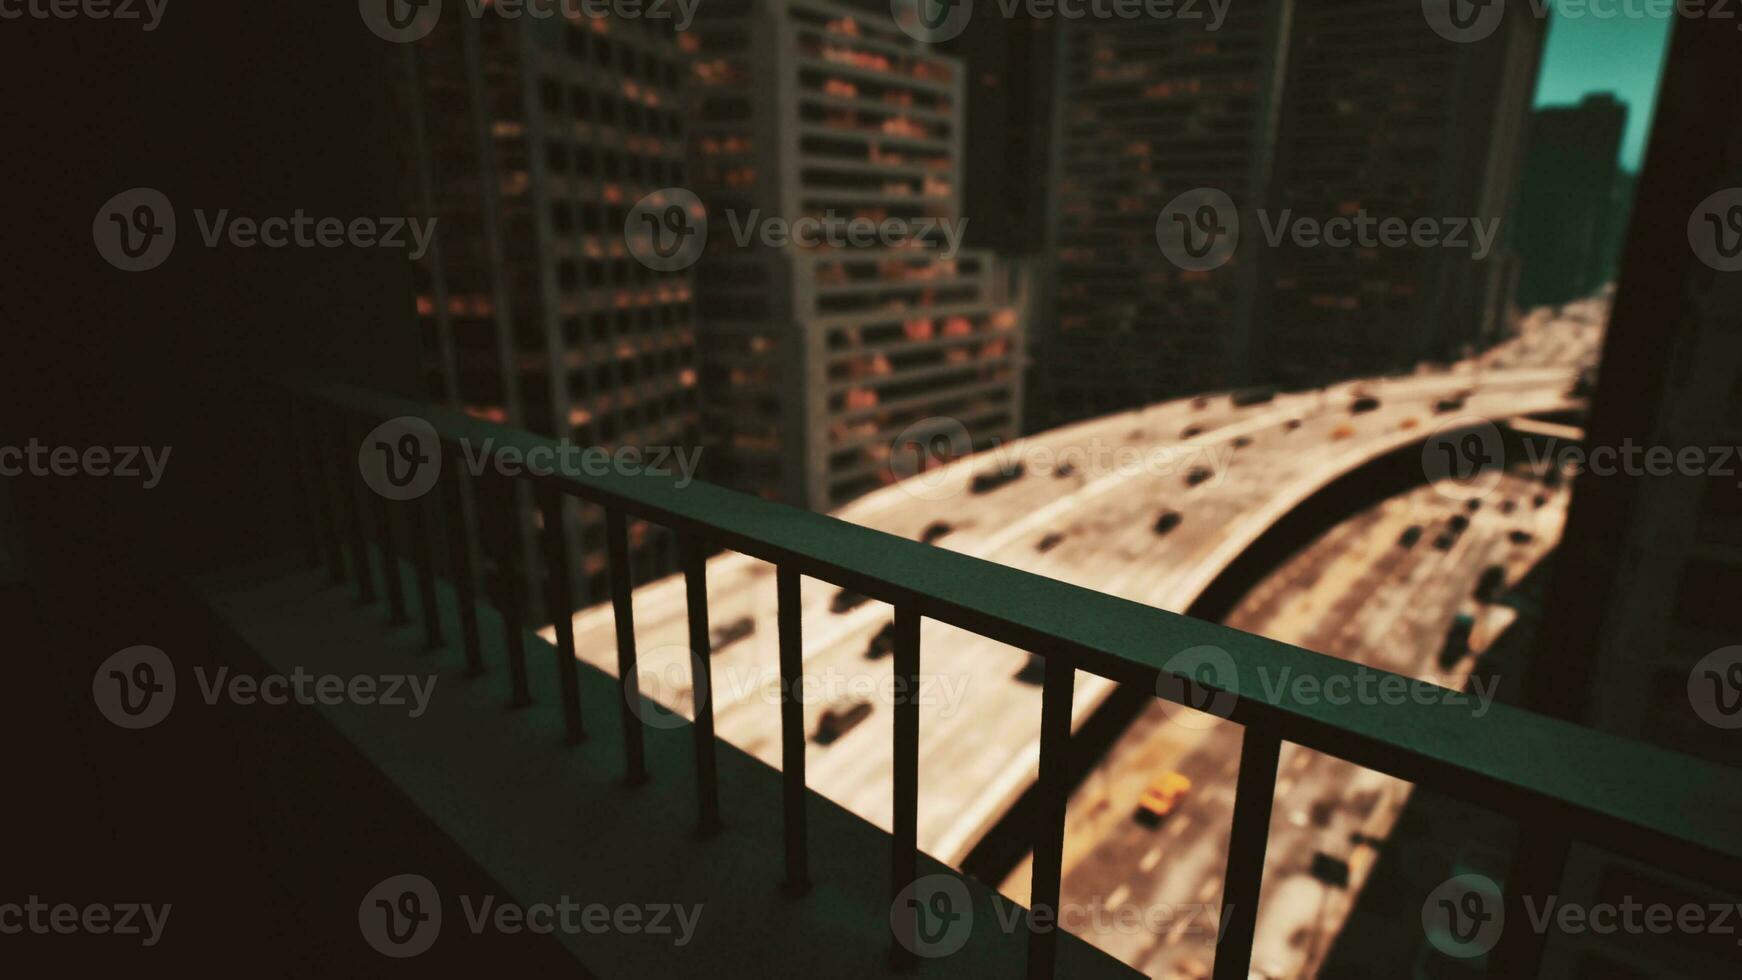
(822, 351)
(529, 139)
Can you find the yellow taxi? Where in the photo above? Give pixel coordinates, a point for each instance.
(1161, 797)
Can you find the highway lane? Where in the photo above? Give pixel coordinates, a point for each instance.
(1357, 592)
(979, 722)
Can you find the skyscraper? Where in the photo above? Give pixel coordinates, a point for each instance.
(1385, 116)
(1147, 111)
(528, 138)
(1566, 214)
(819, 355)
(1290, 110)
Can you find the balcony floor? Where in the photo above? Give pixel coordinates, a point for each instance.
(545, 820)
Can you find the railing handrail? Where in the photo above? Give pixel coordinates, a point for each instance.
(1612, 791)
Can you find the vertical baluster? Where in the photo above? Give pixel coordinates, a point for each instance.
(1538, 859)
(461, 538)
(904, 853)
(511, 573)
(387, 536)
(695, 574)
(330, 487)
(558, 598)
(423, 553)
(1254, 791)
(296, 456)
(1049, 843)
(792, 795)
(351, 477)
(628, 682)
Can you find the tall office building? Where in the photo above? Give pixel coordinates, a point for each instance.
(1147, 110)
(819, 356)
(529, 139)
(1291, 110)
(1385, 116)
(1566, 214)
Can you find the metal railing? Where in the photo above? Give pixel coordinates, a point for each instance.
(1561, 782)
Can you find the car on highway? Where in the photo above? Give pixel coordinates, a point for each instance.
(1064, 469)
(846, 600)
(935, 530)
(1241, 442)
(882, 642)
(1364, 403)
(1520, 536)
(732, 632)
(1410, 536)
(1052, 540)
(1457, 640)
(840, 717)
(1191, 431)
(1452, 404)
(1488, 586)
(1292, 425)
(1342, 432)
(1197, 475)
(1162, 797)
(1167, 521)
(1252, 396)
(1445, 541)
(1458, 523)
(991, 480)
(1409, 423)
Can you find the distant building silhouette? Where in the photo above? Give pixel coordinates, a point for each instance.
(1568, 213)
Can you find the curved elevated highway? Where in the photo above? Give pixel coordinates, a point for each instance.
(1092, 522)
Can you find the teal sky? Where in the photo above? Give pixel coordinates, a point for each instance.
(1617, 54)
